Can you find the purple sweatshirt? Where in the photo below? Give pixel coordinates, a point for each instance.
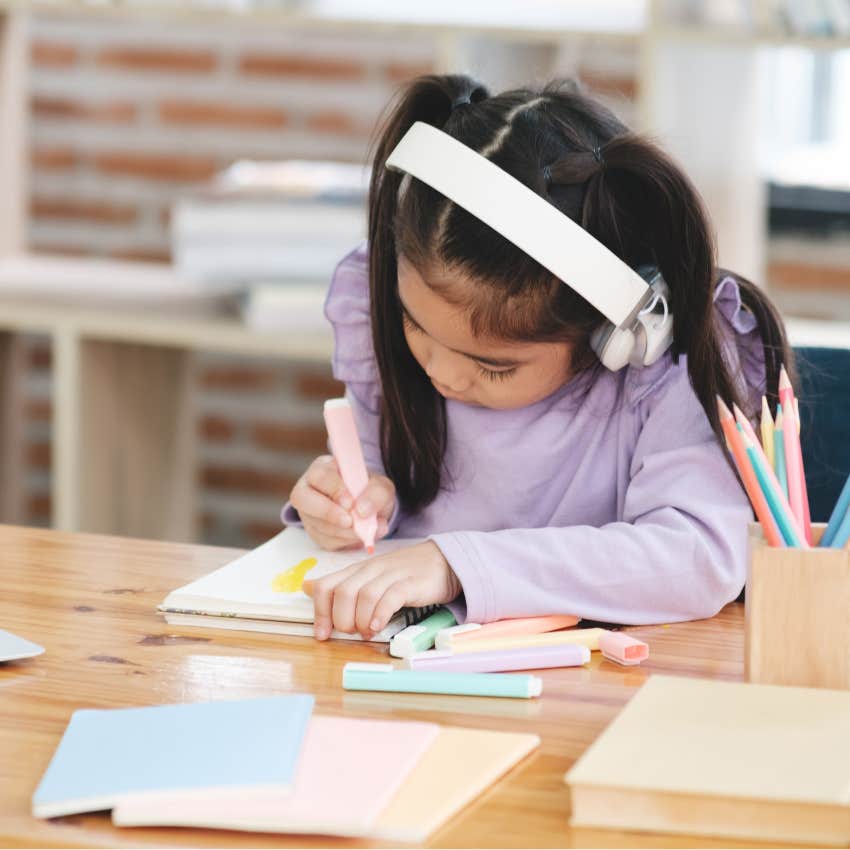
(610, 499)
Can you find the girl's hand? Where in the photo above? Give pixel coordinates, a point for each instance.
(325, 506)
(363, 597)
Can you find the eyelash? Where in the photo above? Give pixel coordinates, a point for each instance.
(490, 374)
(501, 375)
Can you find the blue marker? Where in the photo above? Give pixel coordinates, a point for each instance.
(385, 677)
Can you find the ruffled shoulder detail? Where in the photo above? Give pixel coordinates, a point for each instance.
(347, 309)
(743, 347)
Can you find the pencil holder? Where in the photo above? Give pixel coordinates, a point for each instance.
(797, 615)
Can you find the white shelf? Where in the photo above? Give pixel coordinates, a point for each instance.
(530, 20)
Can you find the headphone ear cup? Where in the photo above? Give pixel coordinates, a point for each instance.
(613, 346)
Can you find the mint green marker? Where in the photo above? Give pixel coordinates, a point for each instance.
(385, 677)
(420, 637)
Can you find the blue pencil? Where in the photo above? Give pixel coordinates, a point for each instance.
(842, 535)
(839, 513)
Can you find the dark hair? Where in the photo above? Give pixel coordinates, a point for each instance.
(617, 185)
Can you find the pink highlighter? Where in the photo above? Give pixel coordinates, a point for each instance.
(623, 648)
(348, 453)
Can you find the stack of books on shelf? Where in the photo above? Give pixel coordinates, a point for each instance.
(274, 230)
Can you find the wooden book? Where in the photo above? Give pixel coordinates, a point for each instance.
(721, 758)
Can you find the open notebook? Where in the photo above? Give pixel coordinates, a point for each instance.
(262, 590)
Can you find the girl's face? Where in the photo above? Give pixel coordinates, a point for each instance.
(482, 371)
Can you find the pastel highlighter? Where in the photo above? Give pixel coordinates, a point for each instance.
(348, 453)
(623, 648)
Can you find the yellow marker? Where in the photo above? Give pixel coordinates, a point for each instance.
(582, 637)
(292, 580)
(767, 426)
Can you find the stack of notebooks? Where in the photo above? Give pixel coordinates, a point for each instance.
(274, 767)
(262, 590)
(277, 222)
(725, 759)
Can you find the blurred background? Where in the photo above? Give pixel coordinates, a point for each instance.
(178, 180)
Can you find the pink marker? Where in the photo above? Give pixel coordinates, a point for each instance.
(500, 660)
(348, 453)
(622, 648)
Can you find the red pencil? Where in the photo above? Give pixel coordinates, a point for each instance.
(748, 476)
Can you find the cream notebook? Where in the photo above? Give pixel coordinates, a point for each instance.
(460, 765)
(721, 758)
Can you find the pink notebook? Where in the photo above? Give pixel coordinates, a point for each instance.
(348, 772)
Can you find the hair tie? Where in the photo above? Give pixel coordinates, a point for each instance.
(461, 101)
(547, 175)
(597, 154)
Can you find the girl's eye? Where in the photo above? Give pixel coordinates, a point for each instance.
(501, 375)
(408, 322)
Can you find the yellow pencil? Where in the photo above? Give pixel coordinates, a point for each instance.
(767, 426)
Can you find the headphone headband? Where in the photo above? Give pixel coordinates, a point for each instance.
(524, 218)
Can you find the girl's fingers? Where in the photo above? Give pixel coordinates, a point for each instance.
(323, 591)
(346, 593)
(383, 528)
(343, 536)
(368, 597)
(394, 598)
(323, 475)
(378, 496)
(313, 504)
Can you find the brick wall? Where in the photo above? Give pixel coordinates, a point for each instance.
(126, 116)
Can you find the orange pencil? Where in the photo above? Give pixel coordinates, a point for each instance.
(797, 491)
(748, 476)
(780, 490)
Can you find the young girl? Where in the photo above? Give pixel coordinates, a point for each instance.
(543, 482)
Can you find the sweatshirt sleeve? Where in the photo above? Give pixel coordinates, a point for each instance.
(677, 552)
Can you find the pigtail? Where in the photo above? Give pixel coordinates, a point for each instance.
(673, 233)
(777, 350)
(413, 424)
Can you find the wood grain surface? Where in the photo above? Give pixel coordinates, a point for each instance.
(90, 601)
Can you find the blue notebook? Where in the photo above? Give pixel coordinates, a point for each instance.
(107, 754)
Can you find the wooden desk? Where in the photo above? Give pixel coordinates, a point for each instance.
(90, 601)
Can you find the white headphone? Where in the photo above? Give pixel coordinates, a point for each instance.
(639, 327)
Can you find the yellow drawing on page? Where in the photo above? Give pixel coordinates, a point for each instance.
(292, 579)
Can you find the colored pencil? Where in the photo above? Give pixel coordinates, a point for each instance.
(748, 476)
(793, 455)
(838, 512)
(779, 446)
(842, 533)
(767, 428)
(773, 496)
(788, 514)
